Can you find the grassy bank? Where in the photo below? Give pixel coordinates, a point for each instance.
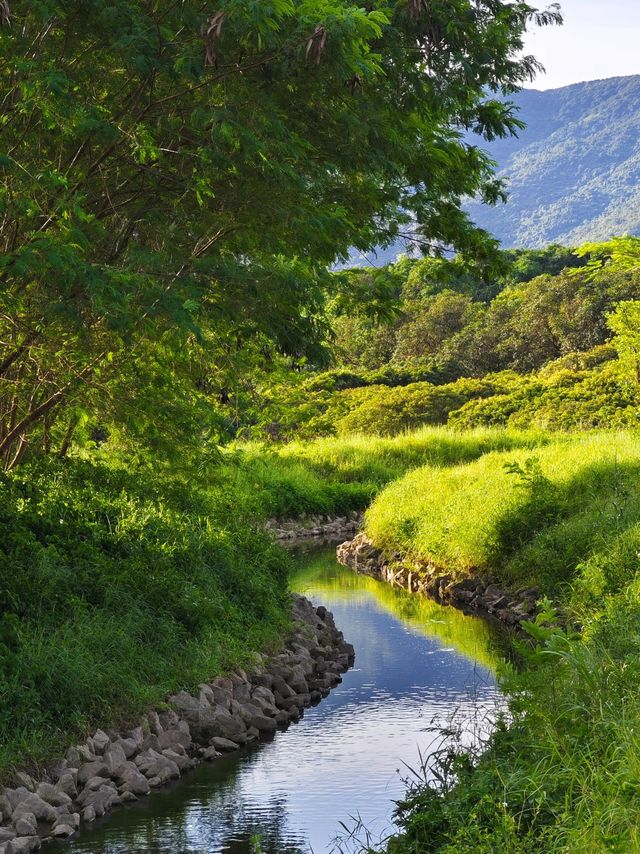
(563, 776)
(335, 475)
(564, 517)
(120, 586)
(117, 589)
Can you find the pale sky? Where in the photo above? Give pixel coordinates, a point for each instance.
(600, 38)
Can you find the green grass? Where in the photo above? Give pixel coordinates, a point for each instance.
(117, 589)
(550, 517)
(120, 586)
(336, 475)
(562, 776)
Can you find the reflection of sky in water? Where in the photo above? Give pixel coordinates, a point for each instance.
(347, 758)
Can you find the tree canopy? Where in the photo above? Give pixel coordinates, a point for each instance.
(175, 179)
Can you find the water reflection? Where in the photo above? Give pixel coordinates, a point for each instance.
(346, 760)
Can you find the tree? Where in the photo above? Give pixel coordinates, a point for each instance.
(179, 176)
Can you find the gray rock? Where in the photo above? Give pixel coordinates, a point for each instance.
(5, 806)
(62, 831)
(153, 764)
(253, 717)
(40, 809)
(127, 797)
(151, 742)
(15, 797)
(263, 697)
(224, 745)
(25, 780)
(154, 723)
(26, 825)
(92, 769)
(89, 814)
(183, 762)
(72, 819)
(154, 782)
(242, 692)
(209, 754)
(186, 705)
(52, 795)
(132, 780)
(171, 737)
(83, 753)
(221, 696)
(136, 735)
(100, 742)
(114, 756)
(129, 746)
(6, 834)
(67, 785)
(23, 845)
(102, 800)
(282, 718)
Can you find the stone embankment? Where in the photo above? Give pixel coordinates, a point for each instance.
(316, 527)
(119, 767)
(475, 594)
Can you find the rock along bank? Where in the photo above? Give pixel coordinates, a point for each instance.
(469, 593)
(117, 767)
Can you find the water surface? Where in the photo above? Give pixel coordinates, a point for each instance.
(345, 763)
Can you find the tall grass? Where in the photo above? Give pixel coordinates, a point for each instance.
(335, 475)
(546, 517)
(563, 776)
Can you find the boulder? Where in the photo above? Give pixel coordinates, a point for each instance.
(62, 831)
(52, 795)
(171, 737)
(183, 762)
(154, 723)
(89, 814)
(92, 769)
(26, 825)
(129, 746)
(223, 745)
(6, 834)
(132, 780)
(40, 809)
(127, 797)
(102, 800)
(94, 785)
(136, 735)
(67, 785)
(23, 845)
(100, 742)
(25, 780)
(209, 754)
(15, 797)
(114, 756)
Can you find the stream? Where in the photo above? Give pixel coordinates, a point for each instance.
(329, 782)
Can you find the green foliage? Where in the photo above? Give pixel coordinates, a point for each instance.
(116, 589)
(529, 519)
(572, 172)
(174, 183)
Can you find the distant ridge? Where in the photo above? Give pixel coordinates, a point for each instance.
(574, 172)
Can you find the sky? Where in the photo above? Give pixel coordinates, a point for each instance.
(600, 38)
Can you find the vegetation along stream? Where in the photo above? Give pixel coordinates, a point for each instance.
(338, 772)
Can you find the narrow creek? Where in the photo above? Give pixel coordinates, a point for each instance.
(345, 763)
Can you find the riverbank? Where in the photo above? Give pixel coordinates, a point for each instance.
(560, 775)
(474, 594)
(117, 767)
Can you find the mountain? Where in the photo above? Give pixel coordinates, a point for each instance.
(574, 173)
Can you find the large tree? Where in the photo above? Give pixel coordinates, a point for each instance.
(176, 176)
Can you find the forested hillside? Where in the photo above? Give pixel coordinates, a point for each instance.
(573, 174)
(542, 344)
